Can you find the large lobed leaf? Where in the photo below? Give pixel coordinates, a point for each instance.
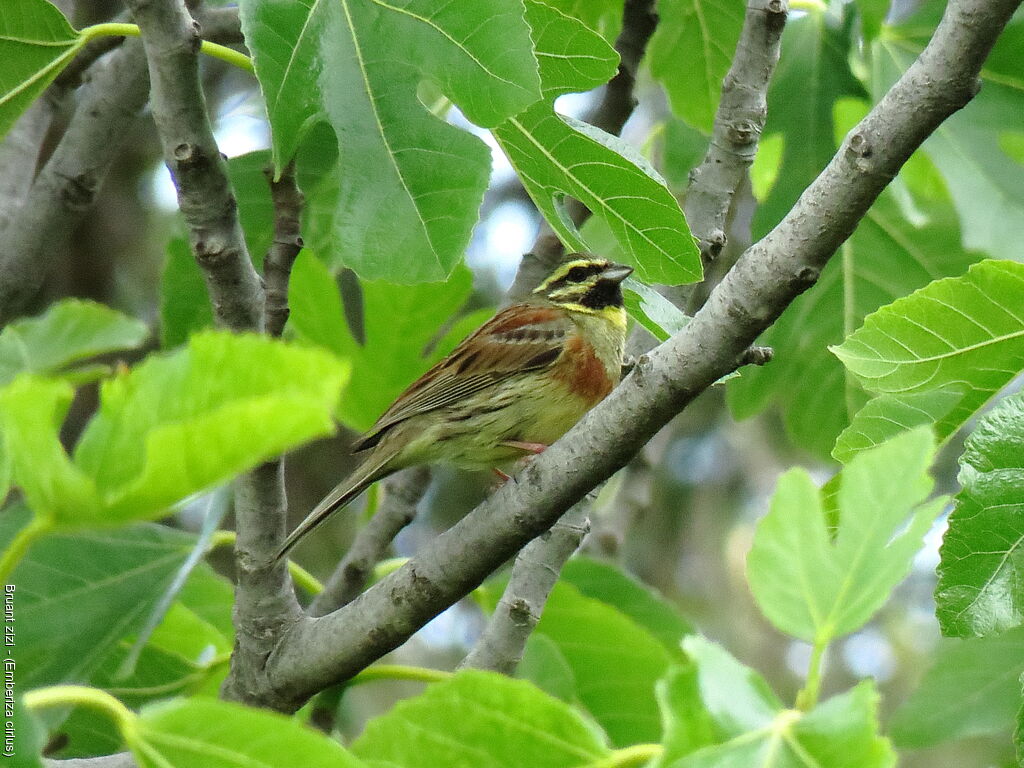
(557, 157)
(814, 587)
(981, 575)
(221, 734)
(483, 720)
(174, 425)
(972, 688)
(68, 332)
(690, 54)
(400, 328)
(36, 43)
(938, 355)
(985, 180)
(614, 661)
(721, 714)
(886, 258)
(102, 584)
(409, 184)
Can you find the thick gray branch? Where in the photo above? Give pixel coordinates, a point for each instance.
(738, 124)
(534, 573)
(321, 651)
(402, 494)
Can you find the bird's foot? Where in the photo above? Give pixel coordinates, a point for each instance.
(502, 477)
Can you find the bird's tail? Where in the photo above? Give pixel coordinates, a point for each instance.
(372, 470)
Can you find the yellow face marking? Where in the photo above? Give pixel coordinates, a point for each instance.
(563, 270)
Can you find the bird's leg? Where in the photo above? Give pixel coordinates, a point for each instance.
(533, 448)
(502, 477)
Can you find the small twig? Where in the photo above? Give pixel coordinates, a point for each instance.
(610, 115)
(739, 121)
(118, 760)
(402, 494)
(534, 574)
(755, 355)
(277, 266)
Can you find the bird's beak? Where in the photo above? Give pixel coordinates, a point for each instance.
(616, 273)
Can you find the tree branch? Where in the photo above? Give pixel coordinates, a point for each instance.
(330, 649)
(738, 124)
(171, 39)
(402, 494)
(534, 573)
(66, 187)
(277, 266)
(617, 104)
(265, 603)
(45, 215)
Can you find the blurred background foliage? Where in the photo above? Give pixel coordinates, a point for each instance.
(681, 516)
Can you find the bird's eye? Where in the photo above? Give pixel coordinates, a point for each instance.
(576, 274)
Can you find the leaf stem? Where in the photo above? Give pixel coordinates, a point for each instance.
(36, 527)
(215, 50)
(807, 698)
(399, 672)
(638, 754)
(82, 695)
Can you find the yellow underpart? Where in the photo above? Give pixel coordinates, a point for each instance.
(614, 315)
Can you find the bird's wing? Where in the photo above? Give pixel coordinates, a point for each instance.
(520, 338)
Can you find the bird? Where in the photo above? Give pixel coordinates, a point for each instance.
(508, 390)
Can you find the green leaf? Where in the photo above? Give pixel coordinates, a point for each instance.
(652, 310)
(683, 148)
(981, 575)
(986, 184)
(220, 734)
(603, 581)
(816, 588)
(184, 422)
(813, 73)
(720, 714)
(483, 720)
(31, 412)
(886, 258)
(70, 331)
(614, 660)
(184, 305)
(36, 43)
(602, 16)
(409, 184)
(557, 157)
(400, 324)
(690, 54)
(872, 14)
(545, 666)
(962, 335)
(102, 584)
(30, 738)
(973, 688)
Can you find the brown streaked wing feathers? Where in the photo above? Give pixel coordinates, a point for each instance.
(520, 338)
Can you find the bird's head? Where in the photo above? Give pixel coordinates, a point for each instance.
(586, 283)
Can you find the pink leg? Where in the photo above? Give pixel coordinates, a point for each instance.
(528, 447)
(502, 477)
